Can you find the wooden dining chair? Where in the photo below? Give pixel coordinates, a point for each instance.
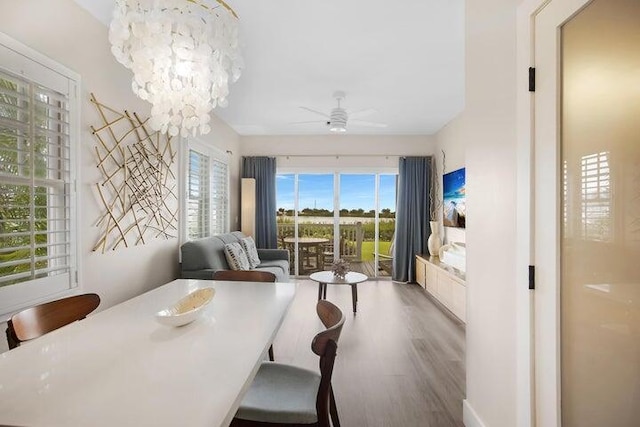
(385, 261)
(328, 252)
(247, 276)
(44, 318)
(288, 395)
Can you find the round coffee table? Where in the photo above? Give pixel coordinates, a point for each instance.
(325, 278)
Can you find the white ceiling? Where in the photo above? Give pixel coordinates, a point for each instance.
(403, 58)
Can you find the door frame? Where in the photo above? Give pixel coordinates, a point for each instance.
(525, 192)
(336, 173)
(528, 405)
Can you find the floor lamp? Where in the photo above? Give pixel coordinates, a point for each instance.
(248, 207)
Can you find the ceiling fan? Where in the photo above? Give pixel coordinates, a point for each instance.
(338, 118)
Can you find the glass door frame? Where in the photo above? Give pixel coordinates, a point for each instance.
(376, 172)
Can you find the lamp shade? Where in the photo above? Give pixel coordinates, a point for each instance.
(248, 207)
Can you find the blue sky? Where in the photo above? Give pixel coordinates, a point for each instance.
(357, 191)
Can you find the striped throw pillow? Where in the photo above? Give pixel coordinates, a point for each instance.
(236, 257)
(249, 246)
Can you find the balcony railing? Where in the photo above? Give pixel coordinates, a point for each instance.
(351, 237)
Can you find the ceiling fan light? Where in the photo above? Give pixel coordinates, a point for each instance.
(338, 128)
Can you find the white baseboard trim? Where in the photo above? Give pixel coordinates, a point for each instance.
(469, 416)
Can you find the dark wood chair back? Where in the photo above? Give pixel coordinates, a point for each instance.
(325, 345)
(44, 318)
(244, 276)
(333, 319)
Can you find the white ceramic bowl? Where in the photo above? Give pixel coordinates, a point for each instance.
(187, 309)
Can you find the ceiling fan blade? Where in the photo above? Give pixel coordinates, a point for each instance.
(368, 124)
(363, 113)
(315, 112)
(302, 123)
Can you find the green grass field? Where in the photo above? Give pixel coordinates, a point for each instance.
(368, 249)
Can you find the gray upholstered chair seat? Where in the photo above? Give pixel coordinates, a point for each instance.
(281, 394)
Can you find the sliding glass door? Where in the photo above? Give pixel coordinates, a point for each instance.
(286, 203)
(386, 229)
(357, 221)
(314, 222)
(324, 217)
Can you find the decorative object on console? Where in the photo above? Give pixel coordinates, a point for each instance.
(454, 214)
(455, 255)
(434, 242)
(434, 194)
(183, 53)
(340, 268)
(138, 186)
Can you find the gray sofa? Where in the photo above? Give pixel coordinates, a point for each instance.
(203, 257)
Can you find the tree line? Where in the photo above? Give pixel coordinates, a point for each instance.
(384, 213)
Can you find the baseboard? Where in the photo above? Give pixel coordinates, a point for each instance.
(469, 416)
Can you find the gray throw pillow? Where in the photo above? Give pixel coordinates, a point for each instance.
(236, 257)
(250, 249)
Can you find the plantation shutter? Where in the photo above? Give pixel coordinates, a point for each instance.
(35, 181)
(198, 199)
(219, 197)
(207, 192)
(38, 133)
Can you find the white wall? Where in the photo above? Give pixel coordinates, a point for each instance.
(225, 138)
(63, 31)
(486, 133)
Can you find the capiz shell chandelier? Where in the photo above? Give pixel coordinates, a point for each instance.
(182, 53)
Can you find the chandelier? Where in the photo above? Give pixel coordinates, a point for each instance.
(183, 53)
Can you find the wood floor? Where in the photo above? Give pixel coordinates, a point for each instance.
(400, 359)
(367, 268)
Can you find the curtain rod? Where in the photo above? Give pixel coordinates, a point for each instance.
(337, 156)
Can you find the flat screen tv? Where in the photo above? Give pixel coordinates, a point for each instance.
(453, 189)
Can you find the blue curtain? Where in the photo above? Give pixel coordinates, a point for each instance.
(263, 169)
(412, 216)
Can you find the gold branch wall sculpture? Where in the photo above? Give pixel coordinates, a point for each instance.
(137, 189)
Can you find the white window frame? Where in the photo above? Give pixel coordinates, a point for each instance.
(214, 154)
(18, 59)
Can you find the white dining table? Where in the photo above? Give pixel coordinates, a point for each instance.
(120, 367)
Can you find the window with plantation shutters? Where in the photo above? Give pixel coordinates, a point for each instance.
(219, 197)
(37, 238)
(207, 192)
(198, 203)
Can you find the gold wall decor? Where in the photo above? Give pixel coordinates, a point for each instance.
(138, 188)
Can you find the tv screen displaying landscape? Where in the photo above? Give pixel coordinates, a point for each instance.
(453, 189)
